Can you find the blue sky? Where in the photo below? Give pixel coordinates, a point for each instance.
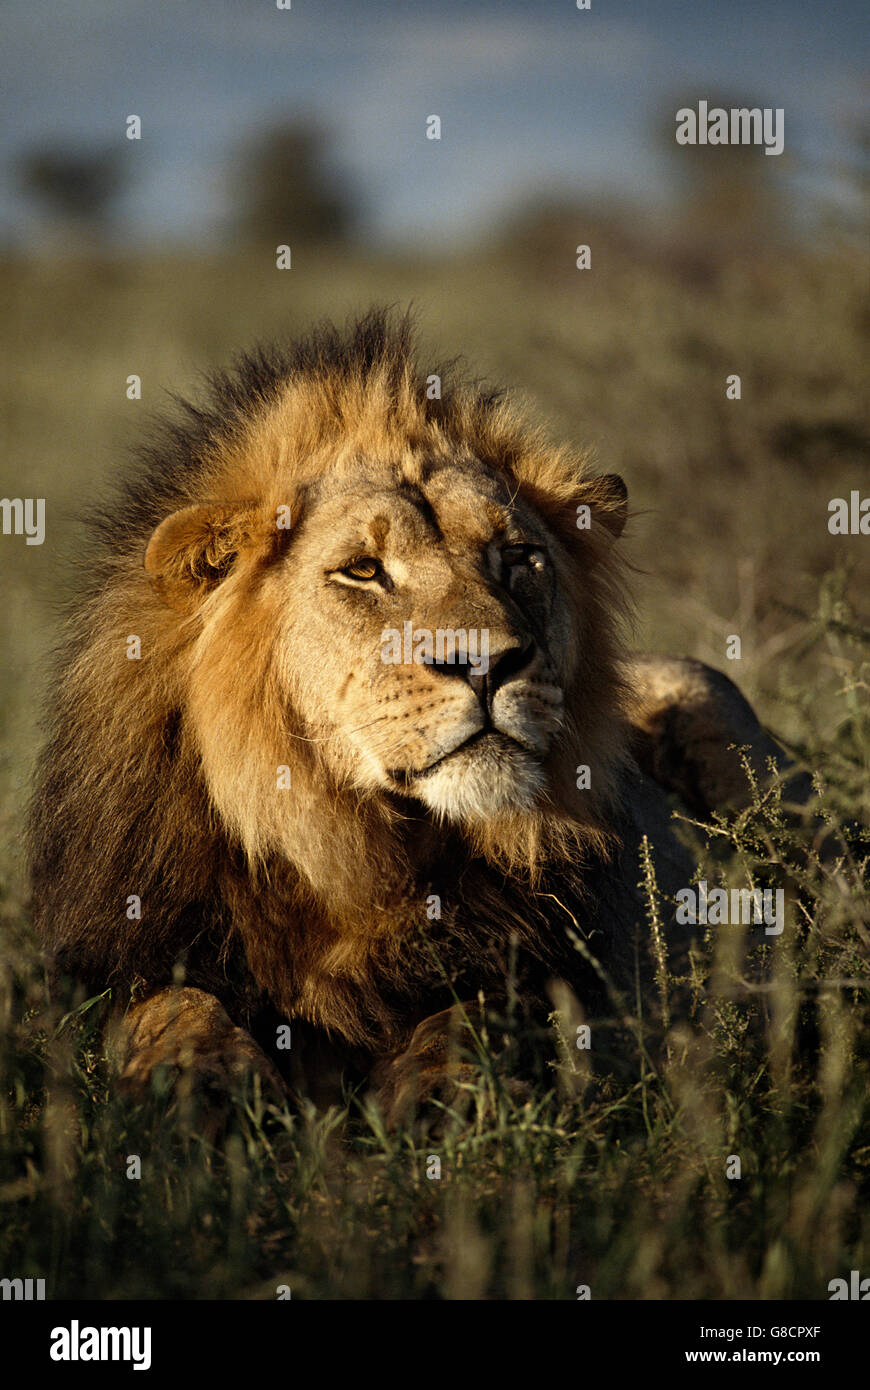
(533, 94)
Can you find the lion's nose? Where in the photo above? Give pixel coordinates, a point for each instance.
(486, 679)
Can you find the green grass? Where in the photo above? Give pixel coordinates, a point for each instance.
(611, 1179)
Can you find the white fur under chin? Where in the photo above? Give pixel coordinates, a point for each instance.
(482, 782)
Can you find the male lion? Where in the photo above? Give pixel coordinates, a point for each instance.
(345, 732)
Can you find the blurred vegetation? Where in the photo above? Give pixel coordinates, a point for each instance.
(614, 1182)
(77, 188)
(734, 197)
(284, 191)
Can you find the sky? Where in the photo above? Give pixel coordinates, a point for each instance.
(533, 95)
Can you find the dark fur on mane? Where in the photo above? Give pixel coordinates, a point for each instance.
(165, 468)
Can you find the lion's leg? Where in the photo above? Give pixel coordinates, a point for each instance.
(188, 1034)
(437, 1064)
(432, 1066)
(691, 723)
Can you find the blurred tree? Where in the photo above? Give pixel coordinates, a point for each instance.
(284, 189)
(79, 187)
(732, 196)
(544, 230)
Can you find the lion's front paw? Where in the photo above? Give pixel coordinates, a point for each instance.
(187, 1035)
(432, 1068)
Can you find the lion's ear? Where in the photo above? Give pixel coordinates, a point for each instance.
(609, 502)
(192, 550)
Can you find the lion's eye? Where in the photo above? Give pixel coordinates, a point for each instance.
(532, 556)
(363, 568)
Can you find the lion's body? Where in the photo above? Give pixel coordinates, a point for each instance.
(317, 831)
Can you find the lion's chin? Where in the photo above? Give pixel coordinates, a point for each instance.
(483, 780)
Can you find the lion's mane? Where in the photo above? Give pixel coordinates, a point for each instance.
(123, 809)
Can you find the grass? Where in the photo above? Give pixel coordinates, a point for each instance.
(611, 1179)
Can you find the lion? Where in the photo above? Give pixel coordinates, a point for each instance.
(345, 733)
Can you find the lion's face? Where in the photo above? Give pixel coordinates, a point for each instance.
(424, 636)
(430, 630)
